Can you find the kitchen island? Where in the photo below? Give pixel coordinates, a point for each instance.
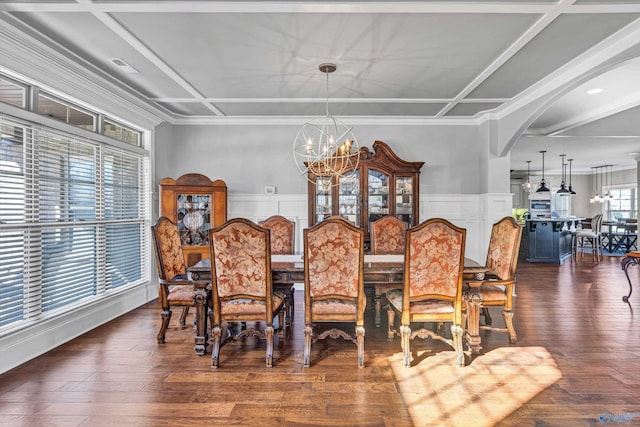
(548, 240)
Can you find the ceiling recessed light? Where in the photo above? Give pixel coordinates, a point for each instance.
(594, 91)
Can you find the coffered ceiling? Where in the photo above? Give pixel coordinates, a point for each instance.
(398, 62)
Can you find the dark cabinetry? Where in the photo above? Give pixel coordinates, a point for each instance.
(549, 241)
(382, 184)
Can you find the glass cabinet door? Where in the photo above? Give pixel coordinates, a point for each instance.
(404, 196)
(378, 195)
(194, 216)
(323, 198)
(349, 197)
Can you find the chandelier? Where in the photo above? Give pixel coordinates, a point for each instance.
(325, 146)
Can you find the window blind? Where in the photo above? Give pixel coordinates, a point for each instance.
(73, 221)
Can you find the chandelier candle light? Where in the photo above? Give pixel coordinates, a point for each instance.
(325, 146)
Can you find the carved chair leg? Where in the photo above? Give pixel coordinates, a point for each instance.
(405, 334)
(308, 331)
(183, 316)
(508, 320)
(456, 332)
(215, 349)
(166, 316)
(269, 333)
(360, 343)
(391, 317)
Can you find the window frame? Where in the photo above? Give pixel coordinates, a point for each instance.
(101, 281)
(633, 212)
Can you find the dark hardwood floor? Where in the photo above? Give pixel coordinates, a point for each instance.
(577, 359)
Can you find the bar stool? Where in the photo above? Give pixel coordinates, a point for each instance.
(593, 236)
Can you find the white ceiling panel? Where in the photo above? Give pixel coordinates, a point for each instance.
(619, 87)
(277, 55)
(563, 40)
(626, 123)
(88, 37)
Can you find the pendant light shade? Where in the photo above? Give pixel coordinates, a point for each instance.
(563, 189)
(542, 188)
(570, 188)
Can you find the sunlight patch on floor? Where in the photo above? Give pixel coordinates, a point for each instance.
(492, 386)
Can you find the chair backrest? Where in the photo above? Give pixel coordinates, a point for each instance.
(333, 259)
(282, 234)
(434, 261)
(504, 245)
(596, 224)
(388, 235)
(168, 250)
(241, 260)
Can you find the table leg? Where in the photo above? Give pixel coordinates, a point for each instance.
(472, 335)
(201, 339)
(377, 296)
(626, 263)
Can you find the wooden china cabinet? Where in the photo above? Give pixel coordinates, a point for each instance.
(196, 204)
(382, 184)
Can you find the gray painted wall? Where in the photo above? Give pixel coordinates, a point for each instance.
(250, 157)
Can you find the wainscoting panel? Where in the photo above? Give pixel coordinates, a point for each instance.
(475, 212)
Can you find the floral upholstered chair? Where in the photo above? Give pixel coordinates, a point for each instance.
(432, 292)
(498, 286)
(282, 234)
(175, 288)
(242, 288)
(283, 240)
(387, 236)
(334, 286)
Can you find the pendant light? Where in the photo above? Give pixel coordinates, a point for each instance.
(570, 188)
(563, 189)
(543, 184)
(527, 186)
(607, 172)
(596, 196)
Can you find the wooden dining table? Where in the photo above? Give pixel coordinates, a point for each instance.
(381, 273)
